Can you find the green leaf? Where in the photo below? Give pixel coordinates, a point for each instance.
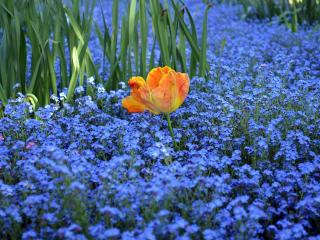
(74, 76)
(23, 63)
(124, 44)
(113, 47)
(74, 25)
(3, 97)
(191, 38)
(144, 37)
(151, 62)
(203, 59)
(173, 37)
(132, 27)
(161, 30)
(34, 75)
(6, 9)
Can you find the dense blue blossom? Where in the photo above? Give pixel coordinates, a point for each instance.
(248, 164)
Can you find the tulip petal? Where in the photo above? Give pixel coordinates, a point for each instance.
(133, 105)
(136, 82)
(145, 97)
(155, 76)
(172, 91)
(163, 91)
(164, 95)
(183, 85)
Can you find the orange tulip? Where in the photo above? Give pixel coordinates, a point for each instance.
(163, 92)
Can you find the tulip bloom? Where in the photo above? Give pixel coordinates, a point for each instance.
(163, 92)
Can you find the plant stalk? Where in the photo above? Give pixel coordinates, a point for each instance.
(171, 130)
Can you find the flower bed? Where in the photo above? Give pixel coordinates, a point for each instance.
(247, 167)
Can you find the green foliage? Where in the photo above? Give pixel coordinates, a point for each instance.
(56, 33)
(47, 31)
(291, 12)
(170, 34)
(203, 59)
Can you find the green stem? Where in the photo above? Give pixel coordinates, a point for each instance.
(170, 130)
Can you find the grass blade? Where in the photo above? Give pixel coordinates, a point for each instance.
(203, 57)
(186, 31)
(124, 44)
(114, 37)
(144, 37)
(74, 25)
(151, 62)
(76, 69)
(173, 37)
(23, 63)
(132, 27)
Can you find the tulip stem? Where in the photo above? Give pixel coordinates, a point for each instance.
(171, 130)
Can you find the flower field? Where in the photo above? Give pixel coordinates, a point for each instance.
(245, 163)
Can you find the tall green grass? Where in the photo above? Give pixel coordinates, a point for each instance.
(291, 12)
(55, 35)
(167, 25)
(52, 34)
